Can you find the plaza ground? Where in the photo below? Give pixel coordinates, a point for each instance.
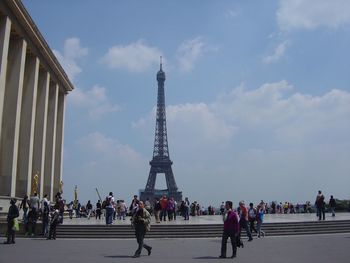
(313, 248)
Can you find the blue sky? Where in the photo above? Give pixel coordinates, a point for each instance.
(257, 94)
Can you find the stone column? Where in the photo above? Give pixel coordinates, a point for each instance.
(12, 113)
(26, 136)
(51, 140)
(40, 128)
(59, 141)
(5, 29)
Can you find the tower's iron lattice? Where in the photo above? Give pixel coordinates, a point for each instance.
(161, 163)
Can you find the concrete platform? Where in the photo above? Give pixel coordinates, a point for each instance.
(208, 220)
(296, 249)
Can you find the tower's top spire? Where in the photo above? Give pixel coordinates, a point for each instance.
(161, 74)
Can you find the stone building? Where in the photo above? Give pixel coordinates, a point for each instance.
(33, 89)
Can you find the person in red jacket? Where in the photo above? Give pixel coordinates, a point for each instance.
(231, 229)
(164, 204)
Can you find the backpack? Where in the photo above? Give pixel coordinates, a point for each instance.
(252, 213)
(107, 201)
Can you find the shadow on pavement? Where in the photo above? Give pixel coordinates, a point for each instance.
(119, 256)
(206, 257)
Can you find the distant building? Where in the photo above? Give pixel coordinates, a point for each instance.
(33, 89)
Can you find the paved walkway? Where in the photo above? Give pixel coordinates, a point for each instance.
(275, 218)
(293, 249)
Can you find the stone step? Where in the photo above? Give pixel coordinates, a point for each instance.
(198, 226)
(194, 227)
(187, 235)
(190, 230)
(199, 231)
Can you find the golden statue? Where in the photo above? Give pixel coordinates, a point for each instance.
(76, 193)
(75, 196)
(35, 183)
(61, 187)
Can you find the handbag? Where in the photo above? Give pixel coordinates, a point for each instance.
(15, 225)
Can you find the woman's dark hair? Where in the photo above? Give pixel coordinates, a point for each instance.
(229, 203)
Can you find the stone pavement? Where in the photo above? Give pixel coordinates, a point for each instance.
(269, 218)
(300, 249)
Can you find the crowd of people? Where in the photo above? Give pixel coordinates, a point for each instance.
(34, 210)
(249, 218)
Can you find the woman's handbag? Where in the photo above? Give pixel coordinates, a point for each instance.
(15, 225)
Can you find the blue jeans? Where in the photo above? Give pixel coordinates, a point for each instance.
(25, 215)
(260, 232)
(244, 224)
(321, 213)
(45, 228)
(187, 213)
(109, 215)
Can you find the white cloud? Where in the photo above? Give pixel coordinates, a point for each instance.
(279, 52)
(72, 52)
(135, 57)
(311, 14)
(232, 13)
(94, 100)
(292, 118)
(109, 148)
(195, 125)
(273, 108)
(189, 52)
(106, 164)
(262, 135)
(198, 122)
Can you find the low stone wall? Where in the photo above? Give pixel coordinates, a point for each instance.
(21, 232)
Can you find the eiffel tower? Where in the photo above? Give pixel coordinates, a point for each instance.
(161, 163)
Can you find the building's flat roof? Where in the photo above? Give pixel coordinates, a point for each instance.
(27, 24)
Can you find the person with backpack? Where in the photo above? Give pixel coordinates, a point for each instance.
(109, 208)
(252, 217)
